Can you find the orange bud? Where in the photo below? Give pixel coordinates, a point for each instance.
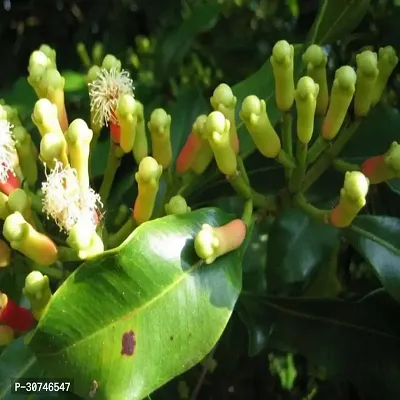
(188, 153)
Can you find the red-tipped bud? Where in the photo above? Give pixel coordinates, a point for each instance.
(15, 316)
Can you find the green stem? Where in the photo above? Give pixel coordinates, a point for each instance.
(320, 215)
(286, 160)
(327, 158)
(122, 234)
(242, 170)
(49, 271)
(114, 161)
(36, 201)
(65, 254)
(299, 173)
(247, 212)
(344, 166)
(286, 134)
(259, 200)
(317, 148)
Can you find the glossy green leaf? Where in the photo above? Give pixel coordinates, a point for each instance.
(177, 44)
(99, 158)
(377, 238)
(336, 19)
(17, 361)
(351, 341)
(135, 317)
(74, 81)
(297, 247)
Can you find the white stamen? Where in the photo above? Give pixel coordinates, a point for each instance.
(7, 151)
(105, 92)
(64, 201)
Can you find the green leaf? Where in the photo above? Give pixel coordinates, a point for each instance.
(377, 239)
(177, 44)
(99, 158)
(74, 81)
(262, 85)
(297, 248)
(351, 341)
(336, 19)
(137, 316)
(16, 361)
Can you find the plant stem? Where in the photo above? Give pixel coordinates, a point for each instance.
(247, 212)
(326, 159)
(286, 160)
(344, 166)
(318, 147)
(242, 170)
(286, 134)
(114, 161)
(299, 173)
(203, 374)
(320, 215)
(259, 200)
(119, 237)
(67, 254)
(49, 271)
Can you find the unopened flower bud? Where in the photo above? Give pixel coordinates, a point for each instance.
(217, 132)
(160, 131)
(5, 254)
(387, 61)
(315, 60)
(38, 64)
(53, 149)
(19, 201)
(213, 242)
(4, 209)
(24, 238)
(11, 116)
(188, 153)
(45, 117)
(16, 317)
(111, 62)
(6, 335)
(306, 102)
(224, 101)
(282, 66)
(27, 154)
(50, 54)
(177, 205)
(37, 290)
(148, 179)
(204, 155)
(83, 54)
(126, 113)
(342, 92)
(254, 116)
(96, 247)
(352, 199)
(78, 137)
(367, 74)
(384, 167)
(97, 53)
(140, 147)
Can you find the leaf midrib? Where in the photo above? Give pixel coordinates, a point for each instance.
(131, 314)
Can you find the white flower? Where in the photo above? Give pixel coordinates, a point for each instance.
(64, 201)
(105, 92)
(7, 151)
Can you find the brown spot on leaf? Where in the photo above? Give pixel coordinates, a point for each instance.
(128, 343)
(93, 389)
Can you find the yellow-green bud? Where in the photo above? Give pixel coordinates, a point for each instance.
(254, 116)
(5, 254)
(78, 137)
(110, 62)
(387, 61)
(148, 179)
(216, 130)
(315, 60)
(204, 154)
(24, 238)
(213, 242)
(53, 149)
(45, 117)
(37, 290)
(160, 130)
(367, 74)
(50, 53)
(224, 101)
(83, 54)
(343, 89)
(93, 73)
(306, 102)
(282, 67)
(177, 205)
(12, 116)
(4, 209)
(140, 146)
(19, 201)
(96, 247)
(126, 113)
(352, 199)
(80, 235)
(27, 154)
(97, 53)
(3, 113)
